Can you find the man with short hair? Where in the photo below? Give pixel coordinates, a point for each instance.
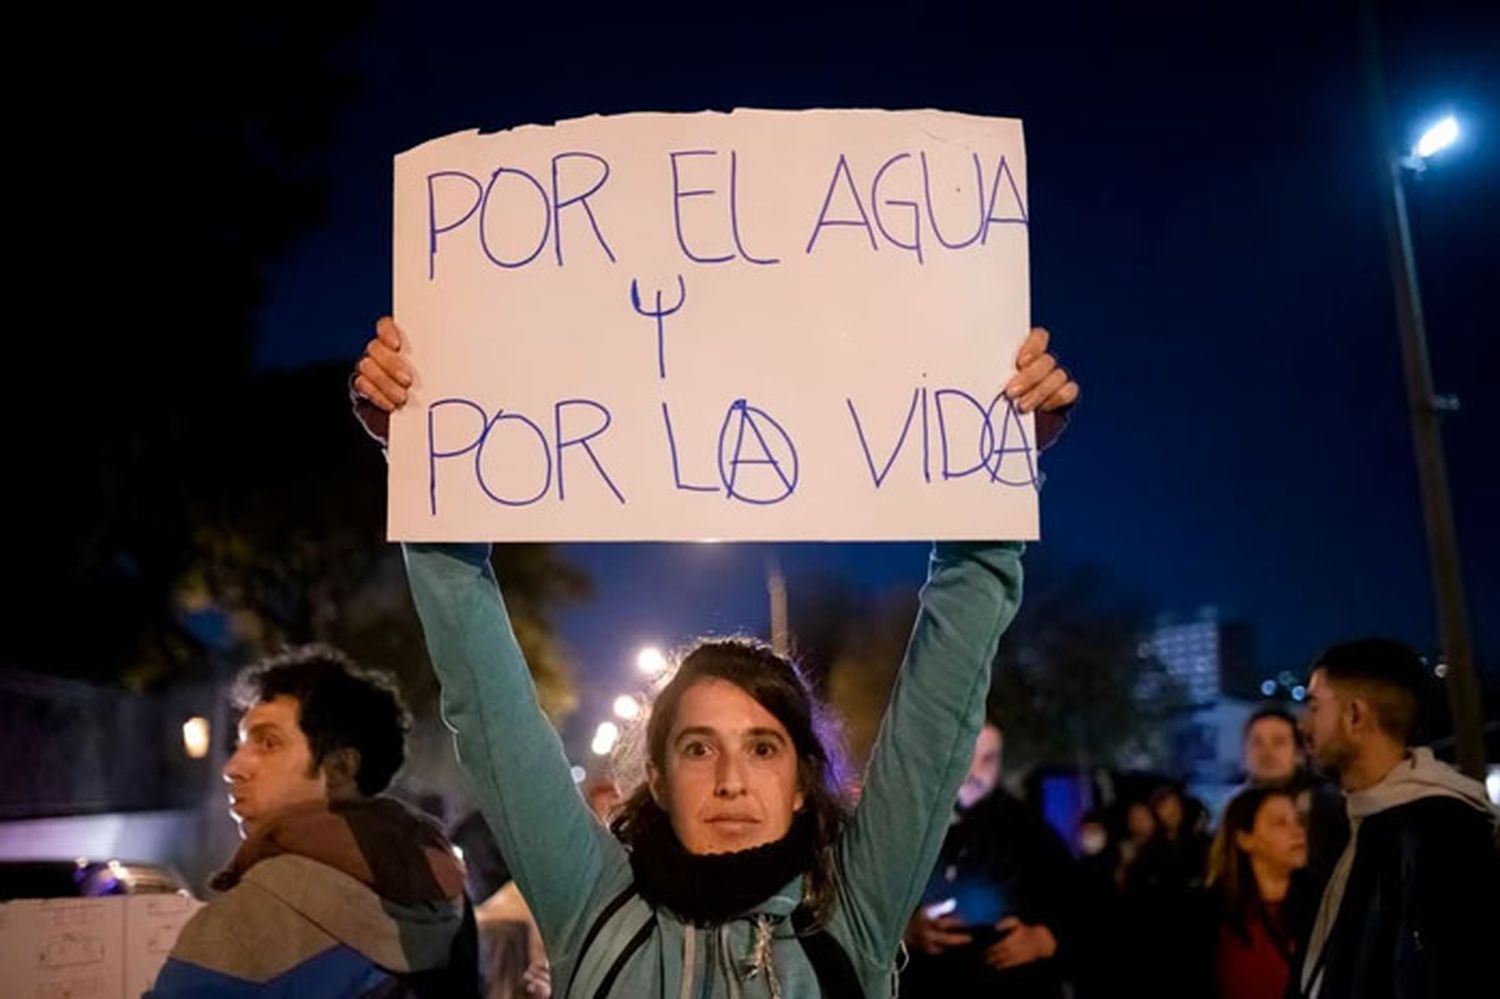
(1413, 906)
(337, 889)
(1274, 758)
(1270, 745)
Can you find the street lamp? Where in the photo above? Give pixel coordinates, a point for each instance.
(776, 591)
(627, 708)
(1437, 138)
(1425, 405)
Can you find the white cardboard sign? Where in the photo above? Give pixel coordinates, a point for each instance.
(88, 948)
(751, 326)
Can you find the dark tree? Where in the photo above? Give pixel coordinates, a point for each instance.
(1072, 683)
(177, 157)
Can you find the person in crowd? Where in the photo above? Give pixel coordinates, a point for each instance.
(1140, 829)
(1097, 964)
(1411, 907)
(1259, 892)
(1164, 900)
(337, 889)
(733, 867)
(1273, 755)
(1180, 827)
(1001, 911)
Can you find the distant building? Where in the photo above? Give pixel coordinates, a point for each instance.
(1208, 658)
(1212, 663)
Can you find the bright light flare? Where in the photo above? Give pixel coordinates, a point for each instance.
(195, 737)
(627, 708)
(1437, 138)
(650, 660)
(605, 737)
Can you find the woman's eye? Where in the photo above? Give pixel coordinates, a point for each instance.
(764, 749)
(695, 750)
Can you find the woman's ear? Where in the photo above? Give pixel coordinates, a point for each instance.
(657, 786)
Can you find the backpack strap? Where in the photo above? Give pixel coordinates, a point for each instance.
(837, 978)
(621, 928)
(627, 922)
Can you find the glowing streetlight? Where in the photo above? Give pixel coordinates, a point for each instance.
(627, 708)
(650, 660)
(195, 737)
(605, 737)
(1437, 138)
(1425, 406)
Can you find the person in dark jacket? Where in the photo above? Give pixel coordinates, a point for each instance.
(1165, 904)
(1274, 757)
(337, 889)
(1000, 912)
(1413, 905)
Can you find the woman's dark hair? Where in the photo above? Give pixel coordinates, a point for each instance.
(1229, 871)
(778, 686)
(340, 706)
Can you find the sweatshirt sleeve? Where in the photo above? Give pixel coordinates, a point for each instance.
(556, 849)
(926, 740)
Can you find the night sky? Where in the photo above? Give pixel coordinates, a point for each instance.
(1207, 248)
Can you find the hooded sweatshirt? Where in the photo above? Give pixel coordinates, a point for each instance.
(339, 899)
(1420, 777)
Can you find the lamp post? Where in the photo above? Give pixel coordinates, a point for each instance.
(781, 642)
(1425, 405)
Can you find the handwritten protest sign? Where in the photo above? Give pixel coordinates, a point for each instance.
(88, 948)
(759, 325)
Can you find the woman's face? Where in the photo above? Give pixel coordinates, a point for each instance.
(1140, 822)
(729, 780)
(1277, 838)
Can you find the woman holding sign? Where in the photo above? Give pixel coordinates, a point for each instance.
(735, 868)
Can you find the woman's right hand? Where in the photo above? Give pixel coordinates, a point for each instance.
(383, 375)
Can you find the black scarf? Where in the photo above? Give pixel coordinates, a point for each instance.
(710, 888)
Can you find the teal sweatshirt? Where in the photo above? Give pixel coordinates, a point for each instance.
(569, 867)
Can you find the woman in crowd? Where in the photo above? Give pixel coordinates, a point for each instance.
(1258, 893)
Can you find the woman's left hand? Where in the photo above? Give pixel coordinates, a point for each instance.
(1040, 383)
